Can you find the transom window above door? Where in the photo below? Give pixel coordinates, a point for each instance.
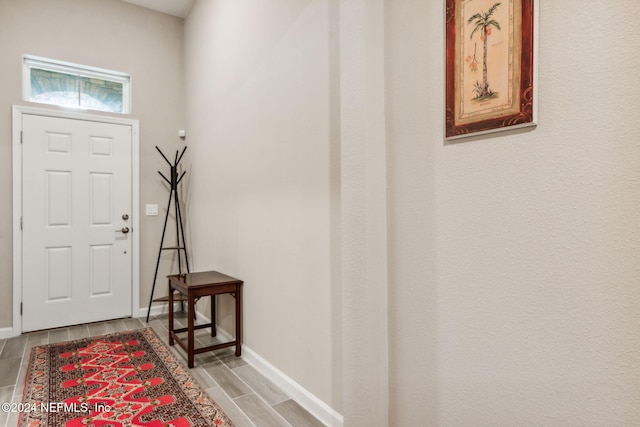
(48, 81)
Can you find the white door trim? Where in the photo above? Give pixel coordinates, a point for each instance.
(18, 111)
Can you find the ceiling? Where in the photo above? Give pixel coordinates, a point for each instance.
(178, 8)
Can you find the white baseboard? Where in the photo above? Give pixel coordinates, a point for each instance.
(7, 332)
(302, 396)
(155, 310)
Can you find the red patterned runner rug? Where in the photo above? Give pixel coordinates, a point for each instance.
(125, 379)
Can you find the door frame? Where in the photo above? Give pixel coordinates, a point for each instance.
(17, 113)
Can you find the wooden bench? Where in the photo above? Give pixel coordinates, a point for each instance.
(193, 286)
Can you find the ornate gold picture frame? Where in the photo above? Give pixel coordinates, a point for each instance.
(490, 66)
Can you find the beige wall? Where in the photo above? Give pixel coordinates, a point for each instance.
(263, 189)
(363, 213)
(108, 34)
(512, 258)
(514, 294)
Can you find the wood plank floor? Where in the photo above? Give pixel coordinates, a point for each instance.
(247, 397)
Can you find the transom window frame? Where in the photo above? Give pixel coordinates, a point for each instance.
(30, 61)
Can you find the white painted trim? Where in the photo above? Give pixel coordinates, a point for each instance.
(17, 213)
(301, 395)
(304, 397)
(155, 310)
(135, 213)
(6, 333)
(18, 111)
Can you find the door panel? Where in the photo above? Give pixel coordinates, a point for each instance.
(76, 188)
(58, 273)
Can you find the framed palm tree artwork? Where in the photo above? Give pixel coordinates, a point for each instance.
(490, 66)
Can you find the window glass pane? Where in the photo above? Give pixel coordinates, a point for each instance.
(51, 87)
(103, 95)
(68, 85)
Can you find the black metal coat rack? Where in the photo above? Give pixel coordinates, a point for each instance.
(181, 244)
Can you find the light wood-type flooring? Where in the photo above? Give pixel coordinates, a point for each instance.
(247, 397)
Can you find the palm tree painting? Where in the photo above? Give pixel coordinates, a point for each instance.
(482, 23)
(490, 65)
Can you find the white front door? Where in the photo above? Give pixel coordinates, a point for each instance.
(77, 199)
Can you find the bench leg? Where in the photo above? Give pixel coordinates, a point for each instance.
(213, 316)
(190, 331)
(239, 321)
(170, 314)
